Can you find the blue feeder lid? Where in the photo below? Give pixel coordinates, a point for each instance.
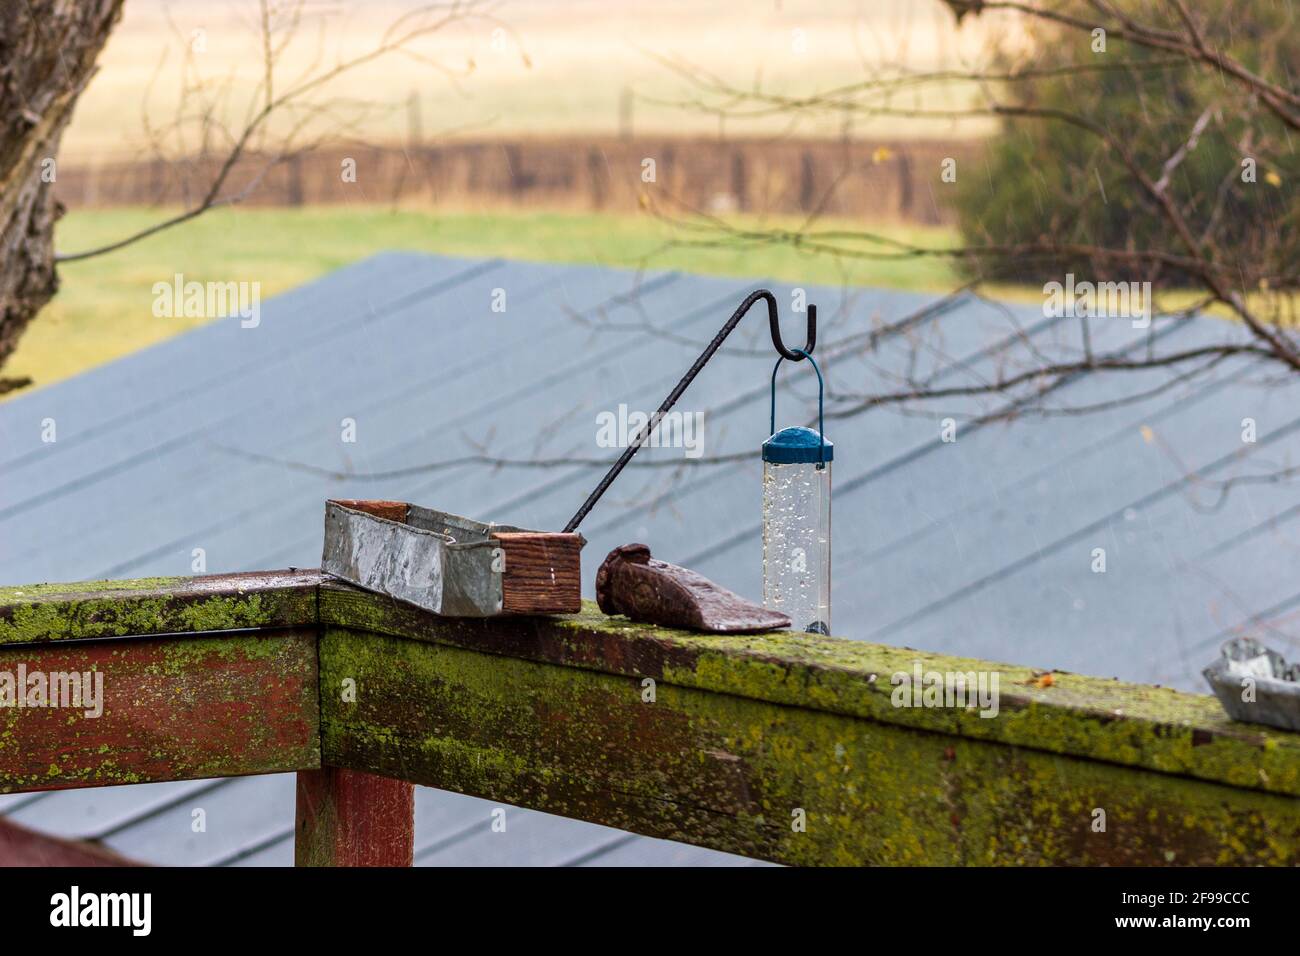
(798, 445)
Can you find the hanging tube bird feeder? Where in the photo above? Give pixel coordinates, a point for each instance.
(797, 518)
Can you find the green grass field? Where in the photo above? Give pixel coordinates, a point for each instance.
(104, 308)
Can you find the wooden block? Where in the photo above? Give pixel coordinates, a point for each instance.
(543, 573)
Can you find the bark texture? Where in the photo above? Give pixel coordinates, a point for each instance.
(47, 56)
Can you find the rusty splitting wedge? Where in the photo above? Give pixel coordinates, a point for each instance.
(632, 583)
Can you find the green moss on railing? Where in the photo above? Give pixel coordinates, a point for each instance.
(743, 730)
(737, 773)
(1095, 718)
(51, 612)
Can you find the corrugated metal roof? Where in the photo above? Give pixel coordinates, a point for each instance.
(982, 546)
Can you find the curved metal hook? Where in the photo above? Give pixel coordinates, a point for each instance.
(774, 323)
(794, 355)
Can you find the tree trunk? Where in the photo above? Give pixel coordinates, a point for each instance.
(47, 56)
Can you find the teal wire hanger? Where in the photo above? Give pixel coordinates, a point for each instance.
(821, 427)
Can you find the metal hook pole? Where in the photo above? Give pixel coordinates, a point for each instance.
(794, 355)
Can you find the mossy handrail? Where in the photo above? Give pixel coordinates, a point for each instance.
(783, 746)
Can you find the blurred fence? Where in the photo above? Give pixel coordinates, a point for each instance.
(872, 179)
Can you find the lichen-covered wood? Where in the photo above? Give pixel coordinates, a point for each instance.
(170, 708)
(783, 746)
(1090, 717)
(36, 613)
(791, 784)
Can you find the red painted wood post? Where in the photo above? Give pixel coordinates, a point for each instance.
(351, 818)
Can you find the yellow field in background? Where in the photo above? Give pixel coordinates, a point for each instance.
(557, 66)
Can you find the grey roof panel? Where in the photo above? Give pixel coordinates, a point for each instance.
(528, 837)
(150, 383)
(236, 817)
(278, 852)
(96, 812)
(640, 851)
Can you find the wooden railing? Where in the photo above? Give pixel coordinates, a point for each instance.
(786, 747)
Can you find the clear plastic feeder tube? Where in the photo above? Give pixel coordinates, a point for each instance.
(797, 527)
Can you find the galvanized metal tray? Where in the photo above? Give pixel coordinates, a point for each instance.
(1254, 684)
(451, 565)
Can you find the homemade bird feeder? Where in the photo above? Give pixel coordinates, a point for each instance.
(453, 566)
(463, 568)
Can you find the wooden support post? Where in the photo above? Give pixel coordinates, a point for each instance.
(351, 818)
